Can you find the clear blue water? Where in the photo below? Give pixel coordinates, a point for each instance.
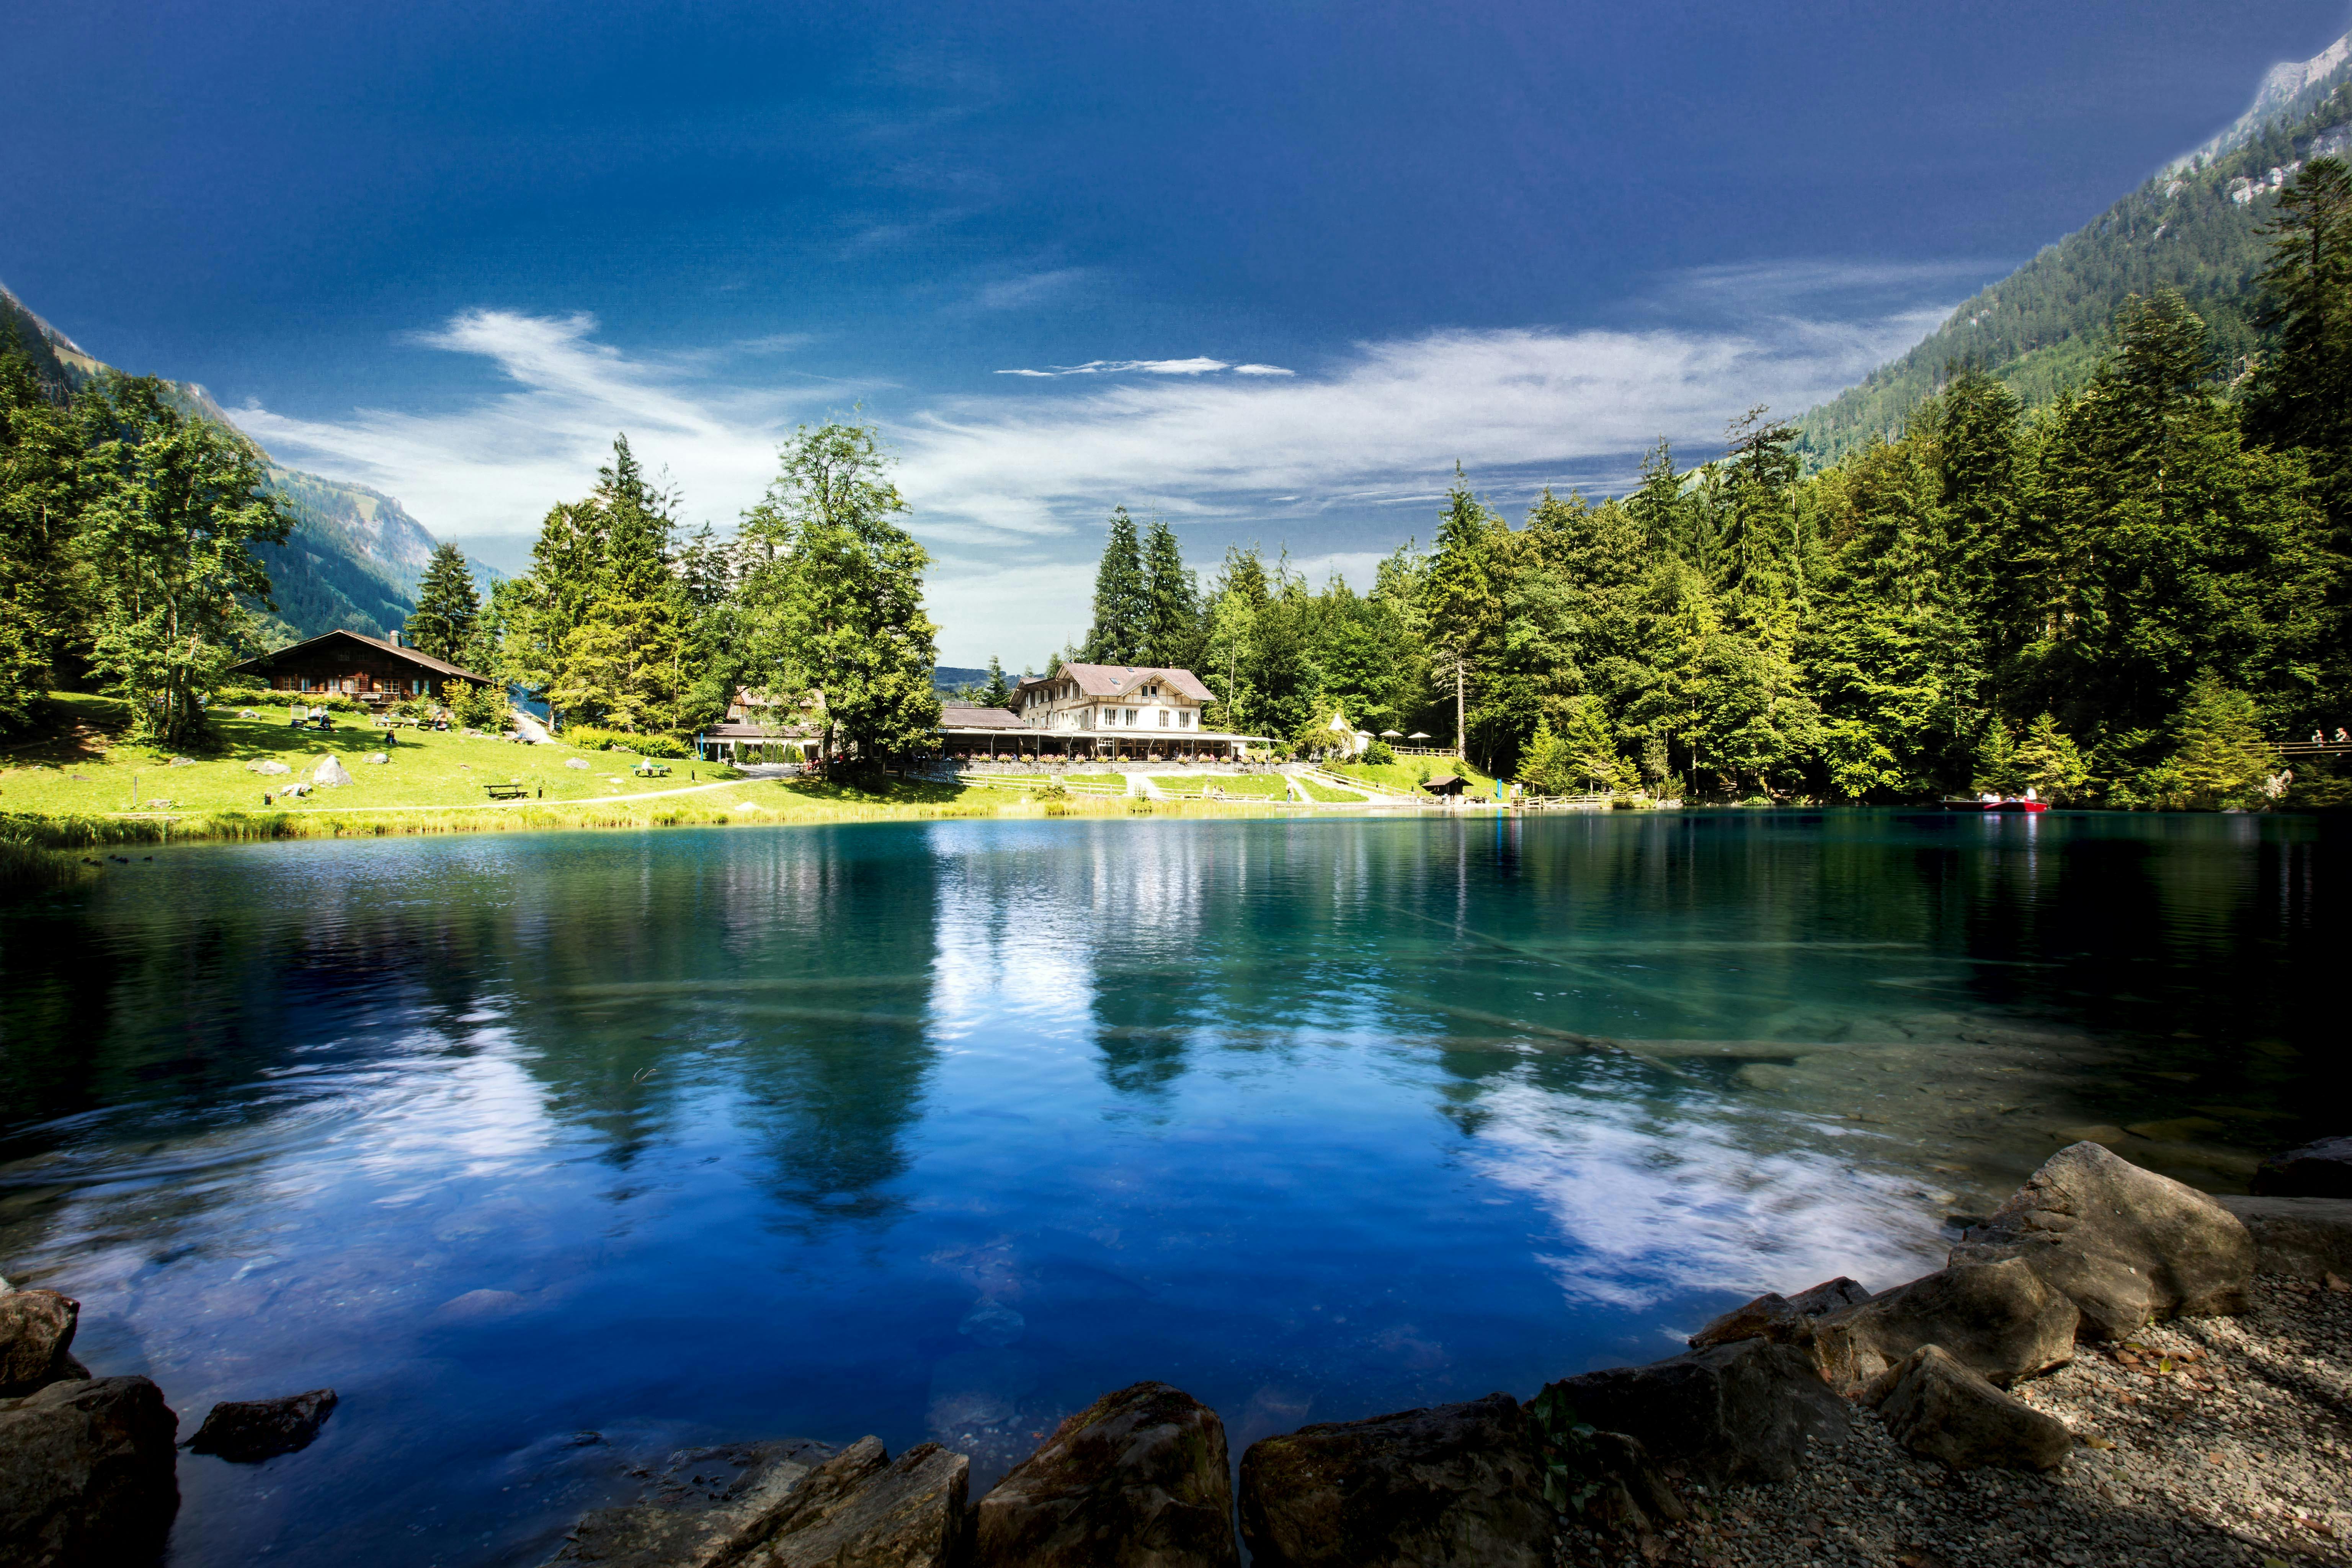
(938, 1130)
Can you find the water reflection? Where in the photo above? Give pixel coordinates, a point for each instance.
(938, 1130)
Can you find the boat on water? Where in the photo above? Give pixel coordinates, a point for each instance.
(1973, 803)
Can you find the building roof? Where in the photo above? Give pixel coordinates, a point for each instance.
(378, 645)
(1119, 680)
(754, 730)
(957, 716)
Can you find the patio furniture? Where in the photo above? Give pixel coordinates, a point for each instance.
(506, 791)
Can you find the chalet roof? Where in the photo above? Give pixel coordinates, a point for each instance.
(377, 644)
(956, 716)
(1119, 680)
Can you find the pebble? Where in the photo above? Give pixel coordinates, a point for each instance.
(2201, 1443)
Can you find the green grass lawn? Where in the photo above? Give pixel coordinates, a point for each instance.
(1238, 786)
(81, 765)
(1409, 773)
(1328, 796)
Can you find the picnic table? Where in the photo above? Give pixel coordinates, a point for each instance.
(651, 770)
(506, 791)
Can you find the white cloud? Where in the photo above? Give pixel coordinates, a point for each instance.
(1262, 370)
(1384, 425)
(1195, 366)
(1015, 294)
(494, 465)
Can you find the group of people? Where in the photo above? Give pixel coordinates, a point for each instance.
(2319, 737)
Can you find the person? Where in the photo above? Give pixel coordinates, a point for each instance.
(2341, 738)
(2028, 792)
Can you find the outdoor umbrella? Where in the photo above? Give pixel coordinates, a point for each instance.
(1418, 735)
(1391, 735)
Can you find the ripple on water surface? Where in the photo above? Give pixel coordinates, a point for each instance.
(554, 1153)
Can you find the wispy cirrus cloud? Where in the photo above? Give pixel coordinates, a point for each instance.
(1199, 364)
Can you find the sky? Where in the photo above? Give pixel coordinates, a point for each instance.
(1266, 271)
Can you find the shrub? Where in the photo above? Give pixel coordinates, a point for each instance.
(476, 706)
(1379, 754)
(660, 746)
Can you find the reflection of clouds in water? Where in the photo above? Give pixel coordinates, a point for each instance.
(1656, 1202)
(483, 1116)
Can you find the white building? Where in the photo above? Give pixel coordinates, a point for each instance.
(1103, 710)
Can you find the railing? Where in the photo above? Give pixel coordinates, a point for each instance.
(2310, 748)
(1426, 750)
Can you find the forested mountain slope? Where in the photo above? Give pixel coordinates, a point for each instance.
(2196, 227)
(354, 555)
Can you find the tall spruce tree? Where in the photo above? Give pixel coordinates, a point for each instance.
(1459, 594)
(447, 607)
(1174, 638)
(1122, 633)
(998, 692)
(45, 587)
(2302, 392)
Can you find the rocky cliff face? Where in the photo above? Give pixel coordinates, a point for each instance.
(2289, 91)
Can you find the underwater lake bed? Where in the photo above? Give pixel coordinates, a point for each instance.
(554, 1153)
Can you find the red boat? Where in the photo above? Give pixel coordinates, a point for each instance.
(1969, 803)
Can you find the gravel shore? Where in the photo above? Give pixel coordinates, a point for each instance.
(2204, 1441)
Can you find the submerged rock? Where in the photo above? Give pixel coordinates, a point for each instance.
(37, 1331)
(87, 1474)
(1999, 1320)
(1456, 1484)
(1784, 1319)
(2301, 1238)
(1742, 1410)
(1936, 1406)
(248, 1431)
(2126, 1246)
(1136, 1479)
(709, 1506)
(2321, 1170)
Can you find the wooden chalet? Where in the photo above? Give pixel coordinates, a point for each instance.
(348, 664)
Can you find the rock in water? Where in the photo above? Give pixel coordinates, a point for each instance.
(1738, 1412)
(2301, 1238)
(1999, 1320)
(2126, 1246)
(854, 1510)
(248, 1431)
(712, 1505)
(37, 1331)
(1136, 1479)
(2321, 1170)
(1784, 1319)
(1456, 1484)
(85, 1474)
(331, 772)
(1937, 1407)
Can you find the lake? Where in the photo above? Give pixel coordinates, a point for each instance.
(555, 1152)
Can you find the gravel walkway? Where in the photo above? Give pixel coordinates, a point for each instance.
(2221, 1441)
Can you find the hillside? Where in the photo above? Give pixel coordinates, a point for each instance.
(354, 555)
(2195, 226)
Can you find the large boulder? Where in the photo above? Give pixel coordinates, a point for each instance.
(1455, 1484)
(709, 1506)
(330, 773)
(863, 1510)
(2321, 1170)
(2126, 1246)
(85, 1474)
(248, 1431)
(37, 1331)
(2301, 1238)
(1136, 1479)
(1937, 1407)
(1999, 1320)
(1742, 1410)
(1784, 1320)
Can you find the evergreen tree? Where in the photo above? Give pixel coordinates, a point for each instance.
(448, 609)
(1459, 595)
(1543, 761)
(2218, 755)
(1122, 629)
(2050, 763)
(174, 507)
(998, 692)
(2302, 391)
(45, 586)
(1997, 770)
(1173, 639)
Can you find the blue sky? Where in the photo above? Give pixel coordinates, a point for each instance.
(1275, 267)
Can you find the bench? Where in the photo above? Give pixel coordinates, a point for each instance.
(506, 791)
(651, 770)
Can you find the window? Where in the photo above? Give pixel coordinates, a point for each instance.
(1163, 718)
(1184, 720)
(1130, 718)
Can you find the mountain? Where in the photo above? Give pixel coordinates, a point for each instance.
(2195, 225)
(353, 556)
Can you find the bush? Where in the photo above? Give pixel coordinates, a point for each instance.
(476, 706)
(660, 746)
(1379, 754)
